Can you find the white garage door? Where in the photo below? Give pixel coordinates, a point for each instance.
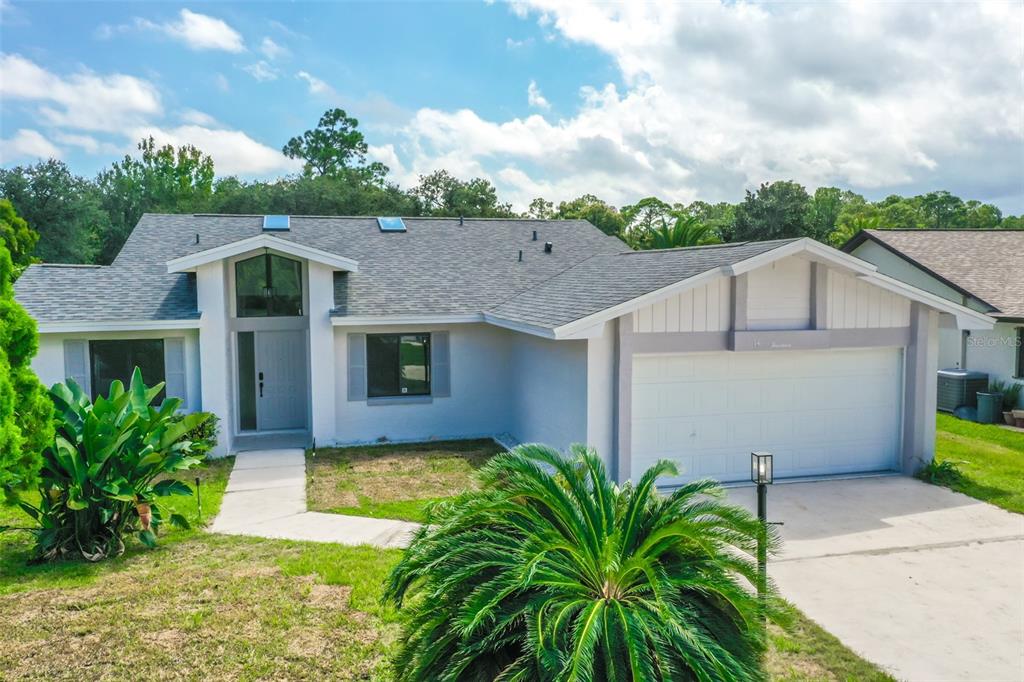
(818, 412)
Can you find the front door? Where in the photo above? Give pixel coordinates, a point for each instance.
(272, 380)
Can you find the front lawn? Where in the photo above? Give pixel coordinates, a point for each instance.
(989, 458)
(203, 606)
(393, 481)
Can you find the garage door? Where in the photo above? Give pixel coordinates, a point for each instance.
(818, 412)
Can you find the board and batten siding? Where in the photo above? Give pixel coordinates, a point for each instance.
(856, 304)
(701, 309)
(779, 295)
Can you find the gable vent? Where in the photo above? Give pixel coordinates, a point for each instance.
(391, 224)
(276, 223)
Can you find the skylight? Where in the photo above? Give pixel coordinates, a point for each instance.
(391, 224)
(276, 223)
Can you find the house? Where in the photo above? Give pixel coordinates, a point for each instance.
(979, 269)
(348, 330)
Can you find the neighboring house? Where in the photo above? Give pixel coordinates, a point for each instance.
(348, 330)
(980, 269)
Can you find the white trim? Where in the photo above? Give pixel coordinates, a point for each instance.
(804, 245)
(569, 329)
(372, 320)
(964, 316)
(261, 241)
(115, 325)
(519, 326)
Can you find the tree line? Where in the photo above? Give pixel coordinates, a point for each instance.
(68, 218)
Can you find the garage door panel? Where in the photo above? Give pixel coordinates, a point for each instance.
(818, 412)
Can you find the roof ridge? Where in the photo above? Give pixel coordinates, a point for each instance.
(516, 219)
(945, 229)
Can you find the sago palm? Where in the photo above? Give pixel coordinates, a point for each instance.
(552, 572)
(685, 231)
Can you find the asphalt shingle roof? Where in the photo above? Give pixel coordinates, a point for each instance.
(438, 266)
(987, 263)
(607, 280)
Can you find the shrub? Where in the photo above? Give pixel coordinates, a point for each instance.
(945, 473)
(552, 572)
(106, 469)
(1010, 391)
(203, 436)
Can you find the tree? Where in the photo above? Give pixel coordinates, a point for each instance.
(335, 146)
(600, 214)
(541, 209)
(63, 208)
(685, 231)
(645, 215)
(552, 572)
(896, 212)
(778, 210)
(826, 206)
(943, 210)
(442, 194)
(17, 236)
(720, 217)
(25, 410)
(163, 180)
(981, 216)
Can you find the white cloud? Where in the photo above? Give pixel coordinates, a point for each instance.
(233, 151)
(83, 100)
(316, 86)
(272, 50)
(221, 82)
(717, 98)
(262, 71)
(196, 31)
(199, 118)
(27, 145)
(513, 44)
(535, 98)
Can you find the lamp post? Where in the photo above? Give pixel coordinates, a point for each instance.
(761, 474)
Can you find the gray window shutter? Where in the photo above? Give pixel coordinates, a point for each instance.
(357, 367)
(440, 373)
(76, 362)
(174, 370)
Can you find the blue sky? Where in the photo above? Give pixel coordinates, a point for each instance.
(542, 97)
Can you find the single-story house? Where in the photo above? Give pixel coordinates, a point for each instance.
(349, 330)
(980, 269)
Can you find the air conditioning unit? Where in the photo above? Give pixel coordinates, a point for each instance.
(959, 388)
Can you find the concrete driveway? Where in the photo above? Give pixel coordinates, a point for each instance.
(925, 582)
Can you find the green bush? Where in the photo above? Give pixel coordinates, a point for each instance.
(106, 469)
(552, 572)
(203, 436)
(1010, 391)
(945, 473)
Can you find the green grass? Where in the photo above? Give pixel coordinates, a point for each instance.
(393, 481)
(208, 606)
(990, 460)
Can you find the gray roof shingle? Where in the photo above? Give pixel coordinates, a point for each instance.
(607, 280)
(438, 266)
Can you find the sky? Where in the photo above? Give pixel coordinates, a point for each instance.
(685, 101)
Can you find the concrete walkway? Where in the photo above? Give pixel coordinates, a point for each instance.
(923, 581)
(266, 497)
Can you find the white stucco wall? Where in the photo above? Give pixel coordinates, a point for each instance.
(322, 367)
(48, 363)
(480, 404)
(994, 352)
(549, 384)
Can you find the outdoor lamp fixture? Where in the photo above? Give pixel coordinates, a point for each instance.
(761, 474)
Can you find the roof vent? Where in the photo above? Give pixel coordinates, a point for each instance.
(276, 223)
(391, 224)
(547, 247)
(534, 235)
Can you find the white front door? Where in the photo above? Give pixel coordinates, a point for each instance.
(818, 412)
(281, 379)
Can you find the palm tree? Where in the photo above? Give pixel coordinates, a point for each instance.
(687, 230)
(552, 572)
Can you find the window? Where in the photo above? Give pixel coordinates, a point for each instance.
(268, 286)
(110, 360)
(397, 365)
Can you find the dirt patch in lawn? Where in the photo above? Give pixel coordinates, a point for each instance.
(393, 478)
